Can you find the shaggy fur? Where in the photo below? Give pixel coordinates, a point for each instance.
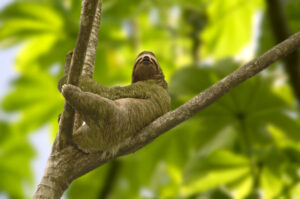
(112, 114)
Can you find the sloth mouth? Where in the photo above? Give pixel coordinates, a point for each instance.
(146, 62)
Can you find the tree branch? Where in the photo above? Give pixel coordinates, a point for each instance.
(208, 96)
(80, 163)
(281, 31)
(54, 182)
(90, 58)
(87, 21)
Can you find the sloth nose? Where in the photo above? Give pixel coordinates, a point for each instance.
(146, 58)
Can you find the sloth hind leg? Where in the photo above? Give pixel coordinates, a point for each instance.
(88, 140)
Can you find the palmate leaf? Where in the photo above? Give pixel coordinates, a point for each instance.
(259, 106)
(229, 27)
(205, 172)
(27, 59)
(89, 185)
(250, 108)
(51, 51)
(175, 149)
(27, 19)
(45, 27)
(183, 142)
(271, 183)
(253, 101)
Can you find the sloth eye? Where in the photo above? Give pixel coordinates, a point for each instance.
(138, 59)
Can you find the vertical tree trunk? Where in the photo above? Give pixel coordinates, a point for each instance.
(61, 167)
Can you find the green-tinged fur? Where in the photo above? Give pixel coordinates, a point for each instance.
(112, 114)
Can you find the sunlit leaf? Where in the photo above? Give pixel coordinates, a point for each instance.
(37, 97)
(15, 151)
(230, 26)
(271, 183)
(210, 171)
(19, 20)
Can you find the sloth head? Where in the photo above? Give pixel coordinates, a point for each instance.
(146, 67)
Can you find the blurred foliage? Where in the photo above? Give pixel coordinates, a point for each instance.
(246, 145)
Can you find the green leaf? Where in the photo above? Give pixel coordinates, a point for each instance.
(229, 28)
(37, 98)
(213, 170)
(292, 14)
(24, 19)
(271, 183)
(15, 151)
(28, 58)
(189, 81)
(89, 185)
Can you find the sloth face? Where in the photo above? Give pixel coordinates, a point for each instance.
(146, 67)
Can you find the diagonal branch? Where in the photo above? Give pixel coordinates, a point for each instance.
(190, 108)
(209, 96)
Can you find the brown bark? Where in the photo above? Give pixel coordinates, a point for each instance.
(89, 8)
(53, 182)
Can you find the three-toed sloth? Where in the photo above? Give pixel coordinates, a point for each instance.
(112, 114)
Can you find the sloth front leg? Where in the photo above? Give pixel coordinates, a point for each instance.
(101, 114)
(137, 90)
(88, 104)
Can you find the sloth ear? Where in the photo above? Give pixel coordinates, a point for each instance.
(160, 73)
(158, 68)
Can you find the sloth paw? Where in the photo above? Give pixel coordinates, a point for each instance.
(70, 90)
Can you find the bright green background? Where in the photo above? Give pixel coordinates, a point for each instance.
(245, 144)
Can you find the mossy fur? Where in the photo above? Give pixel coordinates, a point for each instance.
(110, 115)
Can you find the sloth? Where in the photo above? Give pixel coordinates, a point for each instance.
(110, 115)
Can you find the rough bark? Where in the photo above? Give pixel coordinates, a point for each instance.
(87, 19)
(281, 31)
(67, 162)
(53, 182)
